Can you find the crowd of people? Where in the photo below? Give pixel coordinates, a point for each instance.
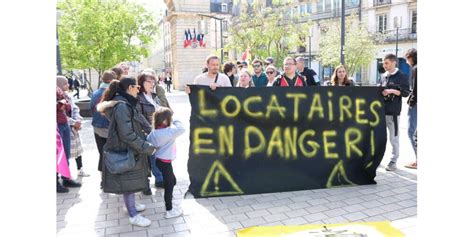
(394, 83)
(133, 116)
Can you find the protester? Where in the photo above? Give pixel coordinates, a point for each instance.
(63, 110)
(310, 75)
(126, 133)
(411, 57)
(75, 123)
(245, 80)
(148, 103)
(164, 137)
(290, 77)
(271, 73)
(125, 68)
(230, 70)
(212, 78)
(259, 78)
(395, 86)
(118, 71)
(339, 77)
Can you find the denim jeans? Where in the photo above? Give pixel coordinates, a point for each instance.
(65, 133)
(155, 170)
(129, 199)
(412, 111)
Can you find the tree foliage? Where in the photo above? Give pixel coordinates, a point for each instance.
(359, 46)
(267, 31)
(99, 34)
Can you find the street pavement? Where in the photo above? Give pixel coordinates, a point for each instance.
(87, 211)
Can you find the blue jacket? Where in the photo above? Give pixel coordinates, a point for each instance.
(98, 120)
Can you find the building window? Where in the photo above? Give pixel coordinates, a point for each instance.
(224, 26)
(224, 7)
(413, 22)
(302, 9)
(382, 23)
(269, 3)
(309, 9)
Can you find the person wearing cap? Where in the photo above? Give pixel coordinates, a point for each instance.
(310, 75)
(269, 61)
(259, 78)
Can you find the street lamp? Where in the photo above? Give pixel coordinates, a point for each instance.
(343, 28)
(397, 24)
(58, 53)
(310, 36)
(220, 21)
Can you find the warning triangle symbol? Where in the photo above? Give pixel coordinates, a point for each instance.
(338, 177)
(216, 179)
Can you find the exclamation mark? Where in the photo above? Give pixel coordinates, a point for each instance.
(216, 181)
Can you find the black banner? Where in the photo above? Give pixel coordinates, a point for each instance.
(275, 139)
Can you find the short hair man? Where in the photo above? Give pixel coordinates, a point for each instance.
(289, 78)
(259, 78)
(212, 77)
(395, 84)
(310, 75)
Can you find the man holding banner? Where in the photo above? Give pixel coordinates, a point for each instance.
(395, 85)
(212, 77)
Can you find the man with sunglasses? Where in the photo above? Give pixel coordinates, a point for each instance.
(310, 75)
(259, 78)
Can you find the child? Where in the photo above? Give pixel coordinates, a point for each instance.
(163, 137)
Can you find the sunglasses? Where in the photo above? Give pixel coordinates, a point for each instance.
(270, 72)
(136, 86)
(257, 65)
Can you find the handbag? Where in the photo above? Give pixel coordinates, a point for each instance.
(118, 162)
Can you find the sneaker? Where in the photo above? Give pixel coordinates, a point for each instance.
(60, 188)
(82, 173)
(159, 185)
(147, 192)
(392, 166)
(139, 220)
(175, 212)
(138, 207)
(71, 183)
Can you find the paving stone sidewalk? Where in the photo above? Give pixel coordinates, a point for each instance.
(87, 211)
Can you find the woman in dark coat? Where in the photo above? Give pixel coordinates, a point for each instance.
(126, 132)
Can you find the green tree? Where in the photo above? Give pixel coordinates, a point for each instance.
(99, 34)
(359, 46)
(268, 31)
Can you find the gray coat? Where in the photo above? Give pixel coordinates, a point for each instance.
(125, 131)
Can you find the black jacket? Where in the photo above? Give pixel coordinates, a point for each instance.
(393, 103)
(125, 132)
(310, 76)
(412, 97)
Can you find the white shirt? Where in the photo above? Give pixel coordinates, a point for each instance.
(205, 80)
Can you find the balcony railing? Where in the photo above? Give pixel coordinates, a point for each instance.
(382, 2)
(391, 35)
